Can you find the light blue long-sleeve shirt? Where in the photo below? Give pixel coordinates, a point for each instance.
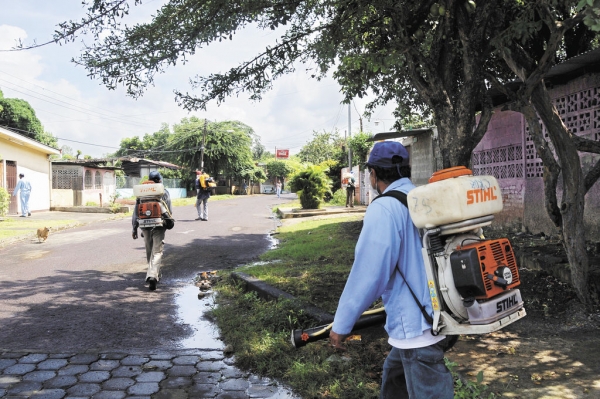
(388, 238)
(22, 185)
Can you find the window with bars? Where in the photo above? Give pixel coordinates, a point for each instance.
(97, 181)
(66, 179)
(88, 180)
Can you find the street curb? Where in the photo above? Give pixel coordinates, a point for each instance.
(289, 213)
(90, 209)
(265, 291)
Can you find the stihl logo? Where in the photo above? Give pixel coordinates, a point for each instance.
(481, 195)
(506, 304)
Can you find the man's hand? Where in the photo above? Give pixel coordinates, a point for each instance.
(134, 234)
(337, 341)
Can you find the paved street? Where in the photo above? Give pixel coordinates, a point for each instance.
(78, 321)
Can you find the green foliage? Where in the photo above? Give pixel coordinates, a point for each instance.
(338, 198)
(4, 201)
(279, 169)
(311, 185)
(227, 148)
(468, 389)
(19, 115)
(429, 61)
(324, 146)
(360, 147)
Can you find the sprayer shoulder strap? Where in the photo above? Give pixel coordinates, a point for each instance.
(400, 196)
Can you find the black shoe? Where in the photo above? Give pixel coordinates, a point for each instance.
(152, 283)
(198, 219)
(29, 214)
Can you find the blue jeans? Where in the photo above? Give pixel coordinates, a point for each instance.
(418, 373)
(202, 207)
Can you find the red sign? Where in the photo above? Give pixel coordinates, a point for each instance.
(282, 154)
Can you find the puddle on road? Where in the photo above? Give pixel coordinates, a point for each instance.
(274, 241)
(205, 335)
(191, 311)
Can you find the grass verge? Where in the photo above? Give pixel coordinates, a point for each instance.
(311, 262)
(16, 227)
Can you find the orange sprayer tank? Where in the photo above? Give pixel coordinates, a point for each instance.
(453, 195)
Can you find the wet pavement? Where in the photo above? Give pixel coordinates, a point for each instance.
(202, 369)
(195, 373)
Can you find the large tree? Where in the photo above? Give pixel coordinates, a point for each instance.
(429, 57)
(17, 114)
(227, 147)
(538, 35)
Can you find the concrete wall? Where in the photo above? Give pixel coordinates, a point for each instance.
(421, 158)
(173, 192)
(62, 198)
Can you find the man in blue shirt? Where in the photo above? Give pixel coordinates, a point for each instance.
(389, 243)
(24, 186)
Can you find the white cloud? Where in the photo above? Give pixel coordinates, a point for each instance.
(73, 107)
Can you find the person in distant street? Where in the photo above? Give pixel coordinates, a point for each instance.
(388, 264)
(350, 192)
(203, 189)
(24, 186)
(278, 188)
(154, 237)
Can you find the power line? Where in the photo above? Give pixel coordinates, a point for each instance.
(72, 107)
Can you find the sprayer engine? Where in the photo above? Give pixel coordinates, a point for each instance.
(472, 281)
(477, 278)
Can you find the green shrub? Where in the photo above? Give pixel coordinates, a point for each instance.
(339, 197)
(311, 185)
(91, 203)
(4, 201)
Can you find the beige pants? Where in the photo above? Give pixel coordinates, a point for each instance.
(154, 239)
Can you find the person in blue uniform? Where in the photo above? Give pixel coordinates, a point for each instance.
(388, 248)
(24, 186)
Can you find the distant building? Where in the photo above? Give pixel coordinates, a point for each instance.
(79, 182)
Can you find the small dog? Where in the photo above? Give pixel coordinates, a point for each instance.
(42, 234)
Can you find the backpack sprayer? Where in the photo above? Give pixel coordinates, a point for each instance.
(152, 210)
(472, 281)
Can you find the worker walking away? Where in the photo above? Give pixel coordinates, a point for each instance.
(24, 187)
(154, 236)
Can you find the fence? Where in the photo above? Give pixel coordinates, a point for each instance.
(129, 182)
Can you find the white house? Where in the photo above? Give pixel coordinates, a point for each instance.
(21, 154)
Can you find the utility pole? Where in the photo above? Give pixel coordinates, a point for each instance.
(349, 135)
(202, 148)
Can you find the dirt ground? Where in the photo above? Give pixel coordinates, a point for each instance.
(551, 353)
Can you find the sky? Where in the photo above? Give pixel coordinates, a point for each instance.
(86, 116)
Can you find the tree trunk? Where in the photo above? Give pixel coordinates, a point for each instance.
(573, 198)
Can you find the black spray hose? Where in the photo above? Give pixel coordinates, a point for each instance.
(368, 319)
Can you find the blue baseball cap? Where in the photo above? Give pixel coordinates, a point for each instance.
(384, 152)
(155, 176)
